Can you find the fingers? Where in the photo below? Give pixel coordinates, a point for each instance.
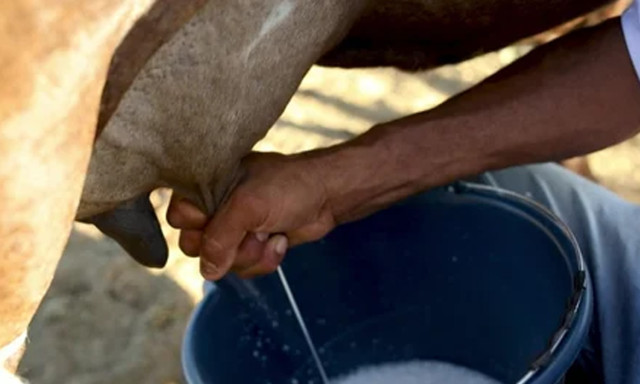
(183, 215)
(190, 242)
(256, 256)
(227, 242)
(217, 256)
(273, 254)
(226, 232)
(250, 251)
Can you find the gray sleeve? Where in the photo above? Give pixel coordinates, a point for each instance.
(631, 30)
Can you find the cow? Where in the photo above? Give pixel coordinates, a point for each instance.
(226, 98)
(101, 102)
(55, 57)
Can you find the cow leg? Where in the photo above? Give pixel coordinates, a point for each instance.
(55, 58)
(421, 34)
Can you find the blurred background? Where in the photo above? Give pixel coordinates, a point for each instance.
(108, 320)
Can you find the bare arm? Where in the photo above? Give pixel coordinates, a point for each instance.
(573, 96)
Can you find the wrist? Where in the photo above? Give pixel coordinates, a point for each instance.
(393, 161)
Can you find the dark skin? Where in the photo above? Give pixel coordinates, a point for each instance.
(570, 97)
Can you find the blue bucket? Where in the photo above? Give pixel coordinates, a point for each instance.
(470, 275)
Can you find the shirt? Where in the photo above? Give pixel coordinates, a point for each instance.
(631, 30)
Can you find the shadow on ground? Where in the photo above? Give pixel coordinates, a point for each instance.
(106, 320)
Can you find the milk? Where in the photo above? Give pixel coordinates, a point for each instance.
(415, 372)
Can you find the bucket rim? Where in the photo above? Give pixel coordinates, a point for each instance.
(581, 300)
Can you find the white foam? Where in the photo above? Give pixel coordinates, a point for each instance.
(415, 372)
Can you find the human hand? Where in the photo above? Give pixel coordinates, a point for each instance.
(280, 202)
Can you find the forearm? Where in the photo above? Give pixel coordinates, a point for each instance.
(571, 97)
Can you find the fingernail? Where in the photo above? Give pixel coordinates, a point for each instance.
(281, 245)
(209, 269)
(262, 236)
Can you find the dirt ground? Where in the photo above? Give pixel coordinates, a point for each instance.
(108, 320)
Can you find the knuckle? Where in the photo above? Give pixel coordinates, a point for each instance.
(247, 200)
